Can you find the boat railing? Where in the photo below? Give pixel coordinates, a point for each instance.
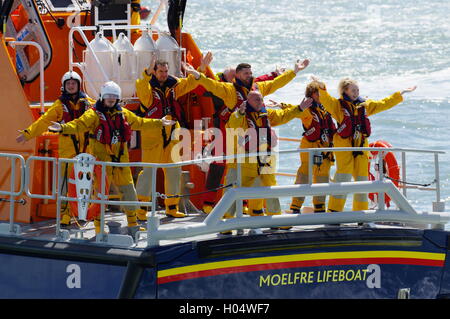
(438, 205)
(11, 228)
(13, 44)
(215, 222)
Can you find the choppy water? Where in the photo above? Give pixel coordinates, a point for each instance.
(386, 45)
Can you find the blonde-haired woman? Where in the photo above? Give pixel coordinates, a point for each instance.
(351, 113)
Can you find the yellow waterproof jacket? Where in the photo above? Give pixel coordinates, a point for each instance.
(66, 148)
(145, 93)
(238, 124)
(227, 91)
(89, 121)
(333, 106)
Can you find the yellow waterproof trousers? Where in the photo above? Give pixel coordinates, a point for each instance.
(248, 180)
(172, 176)
(321, 174)
(348, 166)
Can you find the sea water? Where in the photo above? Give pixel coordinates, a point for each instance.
(385, 45)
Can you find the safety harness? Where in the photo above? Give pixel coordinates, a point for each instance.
(164, 103)
(69, 114)
(222, 112)
(321, 129)
(353, 125)
(113, 129)
(264, 134)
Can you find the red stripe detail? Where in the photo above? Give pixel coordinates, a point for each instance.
(297, 264)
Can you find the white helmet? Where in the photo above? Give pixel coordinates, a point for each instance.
(110, 90)
(70, 75)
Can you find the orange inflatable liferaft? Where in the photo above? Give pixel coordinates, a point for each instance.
(94, 208)
(391, 168)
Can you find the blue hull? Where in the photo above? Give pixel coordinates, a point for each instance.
(328, 263)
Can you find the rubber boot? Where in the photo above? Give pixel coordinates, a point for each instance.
(141, 215)
(319, 208)
(207, 207)
(254, 212)
(131, 218)
(65, 217)
(227, 232)
(245, 208)
(97, 226)
(172, 208)
(280, 227)
(296, 205)
(133, 226)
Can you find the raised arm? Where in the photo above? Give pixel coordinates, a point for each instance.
(331, 104)
(224, 90)
(269, 87)
(144, 89)
(186, 85)
(289, 112)
(53, 114)
(374, 107)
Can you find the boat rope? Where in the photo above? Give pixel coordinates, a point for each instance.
(164, 196)
(409, 183)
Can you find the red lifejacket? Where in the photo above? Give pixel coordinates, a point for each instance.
(112, 129)
(321, 128)
(241, 96)
(222, 112)
(70, 114)
(164, 103)
(351, 124)
(264, 134)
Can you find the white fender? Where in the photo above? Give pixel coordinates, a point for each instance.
(84, 175)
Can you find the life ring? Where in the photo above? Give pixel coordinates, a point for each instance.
(391, 168)
(94, 208)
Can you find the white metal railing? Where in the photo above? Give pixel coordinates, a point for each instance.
(11, 228)
(41, 68)
(214, 223)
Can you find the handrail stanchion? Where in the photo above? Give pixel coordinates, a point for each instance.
(310, 166)
(381, 203)
(153, 220)
(102, 205)
(404, 173)
(436, 173)
(239, 184)
(58, 201)
(11, 196)
(10, 228)
(438, 206)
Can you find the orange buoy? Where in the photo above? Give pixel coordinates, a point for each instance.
(391, 168)
(94, 208)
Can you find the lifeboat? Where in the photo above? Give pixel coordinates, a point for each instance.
(380, 253)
